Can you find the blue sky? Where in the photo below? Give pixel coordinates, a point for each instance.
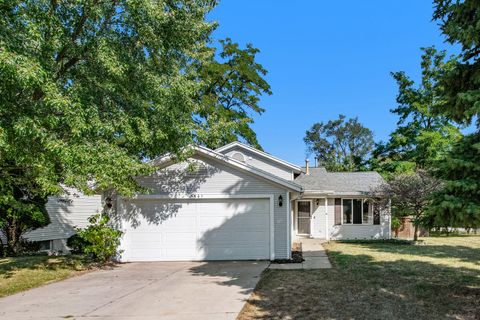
(328, 57)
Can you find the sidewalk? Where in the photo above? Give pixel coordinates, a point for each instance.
(314, 255)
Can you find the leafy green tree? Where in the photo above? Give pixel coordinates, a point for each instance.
(422, 136)
(22, 207)
(340, 145)
(410, 195)
(89, 89)
(232, 88)
(458, 204)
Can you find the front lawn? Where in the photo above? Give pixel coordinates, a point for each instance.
(377, 280)
(22, 273)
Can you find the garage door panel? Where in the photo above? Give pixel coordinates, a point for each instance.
(180, 238)
(143, 254)
(146, 237)
(252, 220)
(199, 229)
(240, 237)
(237, 253)
(236, 235)
(180, 222)
(221, 205)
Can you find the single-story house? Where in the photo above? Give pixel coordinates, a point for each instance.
(232, 203)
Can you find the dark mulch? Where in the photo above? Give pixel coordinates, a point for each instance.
(297, 257)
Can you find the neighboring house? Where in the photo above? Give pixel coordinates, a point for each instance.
(236, 202)
(66, 213)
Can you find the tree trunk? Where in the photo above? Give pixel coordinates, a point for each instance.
(2, 247)
(13, 235)
(415, 232)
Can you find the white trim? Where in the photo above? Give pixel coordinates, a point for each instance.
(289, 227)
(318, 192)
(327, 232)
(270, 197)
(311, 212)
(199, 196)
(121, 210)
(389, 213)
(239, 165)
(260, 153)
(272, 228)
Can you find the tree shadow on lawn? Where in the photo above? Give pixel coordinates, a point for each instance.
(8, 266)
(462, 253)
(360, 288)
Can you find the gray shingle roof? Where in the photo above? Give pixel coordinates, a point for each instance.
(339, 182)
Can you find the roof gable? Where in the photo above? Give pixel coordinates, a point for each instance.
(261, 154)
(216, 156)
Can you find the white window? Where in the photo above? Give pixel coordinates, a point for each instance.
(356, 211)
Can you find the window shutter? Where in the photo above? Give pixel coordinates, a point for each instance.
(338, 211)
(376, 215)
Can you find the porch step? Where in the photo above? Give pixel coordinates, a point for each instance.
(314, 255)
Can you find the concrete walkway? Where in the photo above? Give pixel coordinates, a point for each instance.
(313, 253)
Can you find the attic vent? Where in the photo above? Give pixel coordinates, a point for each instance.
(238, 156)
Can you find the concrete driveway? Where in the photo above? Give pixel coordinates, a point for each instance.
(150, 290)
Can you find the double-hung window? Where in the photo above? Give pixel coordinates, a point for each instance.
(357, 211)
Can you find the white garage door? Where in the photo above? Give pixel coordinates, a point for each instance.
(200, 229)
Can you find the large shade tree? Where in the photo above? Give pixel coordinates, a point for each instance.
(89, 89)
(341, 144)
(458, 204)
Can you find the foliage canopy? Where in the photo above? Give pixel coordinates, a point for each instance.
(340, 145)
(90, 89)
(422, 136)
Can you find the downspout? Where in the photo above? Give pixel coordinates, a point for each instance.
(327, 232)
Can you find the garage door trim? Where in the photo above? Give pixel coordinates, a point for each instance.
(199, 196)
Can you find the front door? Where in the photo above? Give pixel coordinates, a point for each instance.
(303, 216)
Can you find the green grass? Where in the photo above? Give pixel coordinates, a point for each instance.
(438, 279)
(22, 273)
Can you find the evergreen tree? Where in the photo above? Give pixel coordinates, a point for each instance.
(458, 204)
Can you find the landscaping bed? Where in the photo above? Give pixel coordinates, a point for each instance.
(297, 256)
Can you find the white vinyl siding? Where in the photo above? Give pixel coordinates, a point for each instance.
(214, 177)
(65, 215)
(262, 163)
(347, 231)
(358, 231)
